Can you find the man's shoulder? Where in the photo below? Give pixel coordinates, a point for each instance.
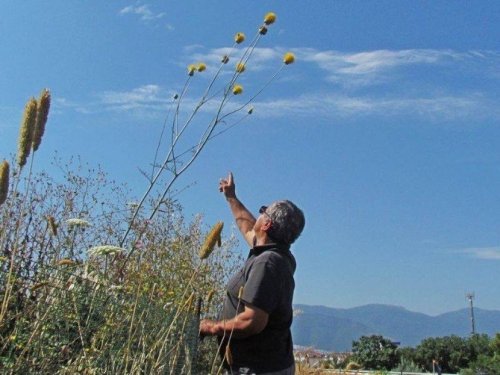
(275, 257)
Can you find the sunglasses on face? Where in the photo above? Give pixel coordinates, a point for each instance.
(262, 210)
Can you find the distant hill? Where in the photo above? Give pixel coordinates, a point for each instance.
(334, 329)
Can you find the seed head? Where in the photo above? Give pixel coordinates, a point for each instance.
(201, 67)
(105, 250)
(213, 237)
(66, 262)
(26, 132)
(77, 223)
(270, 18)
(228, 356)
(237, 89)
(239, 38)
(240, 68)
(52, 225)
(289, 58)
(191, 69)
(41, 118)
(4, 181)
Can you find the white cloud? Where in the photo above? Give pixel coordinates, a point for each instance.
(368, 67)
(146, 96)
(488, 253)
(335, 105)
(143, 11)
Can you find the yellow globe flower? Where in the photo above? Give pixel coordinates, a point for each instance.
(240, 68)
(239, 38)
(237, 89)
(191, 69)
(270, 18)
(289, 58)
(201, 67)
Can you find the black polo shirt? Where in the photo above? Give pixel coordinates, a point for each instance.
(267, 280)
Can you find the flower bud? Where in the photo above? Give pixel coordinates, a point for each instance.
(289, 58)
(239, 38)
(270, 18)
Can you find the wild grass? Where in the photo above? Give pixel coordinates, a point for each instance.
(91, 283)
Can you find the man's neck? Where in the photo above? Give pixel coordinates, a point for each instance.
(262, 240)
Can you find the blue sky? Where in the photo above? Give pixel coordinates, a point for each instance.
(385, 130)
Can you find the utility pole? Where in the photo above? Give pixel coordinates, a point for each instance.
(470, 297)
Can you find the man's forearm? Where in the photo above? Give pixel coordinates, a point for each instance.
(244, 218)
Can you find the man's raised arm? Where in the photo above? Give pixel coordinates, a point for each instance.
(244, 219)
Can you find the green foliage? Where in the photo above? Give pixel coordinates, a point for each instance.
(407, 365)
(64, 311)
(452, 352)
(375, 353)
(487, 362)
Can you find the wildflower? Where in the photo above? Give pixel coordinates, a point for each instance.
(105, 250)
(66, 262)
(191, 69)
(262, 30)
(225, 59)
(239, 38)
(26, 132)
(201, 67)
(4, 181)
(270, 18)
(77, 223)
(52, 225)
(213, 237)
(289, 58)
(237, 89)
(250, 110)
(240, 68)
(41, 118)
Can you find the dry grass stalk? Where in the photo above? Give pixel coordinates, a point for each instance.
(52, 225)
(26, 132)
(213, 237)
(4, 181)
(41, 118)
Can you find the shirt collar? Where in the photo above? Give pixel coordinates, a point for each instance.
(257, 250)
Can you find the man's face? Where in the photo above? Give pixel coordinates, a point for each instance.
(263, 222)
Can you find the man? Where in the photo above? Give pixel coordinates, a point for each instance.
(254, 331)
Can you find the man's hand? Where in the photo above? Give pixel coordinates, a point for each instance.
(207, 328)
(227, 186)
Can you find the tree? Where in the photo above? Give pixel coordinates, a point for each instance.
(375, 353)
(452, 352)
(487, 362)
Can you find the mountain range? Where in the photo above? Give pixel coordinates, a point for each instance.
(335, 329)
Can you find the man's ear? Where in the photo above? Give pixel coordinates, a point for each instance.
(267, 225)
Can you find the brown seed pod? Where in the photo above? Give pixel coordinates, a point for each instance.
(26, 132)
(42, 114)
(213, 237)
(4, 181)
